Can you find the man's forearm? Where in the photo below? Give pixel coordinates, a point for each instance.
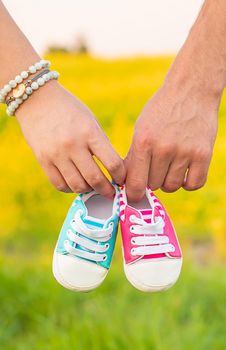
(203, 56)
(16, 53)
(175, 133)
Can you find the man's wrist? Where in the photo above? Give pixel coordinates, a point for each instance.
(196, 79)
(194, 63)
(202, 60)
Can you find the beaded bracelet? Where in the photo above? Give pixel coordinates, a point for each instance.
(12, 84)
(28, 89)
(18, 92)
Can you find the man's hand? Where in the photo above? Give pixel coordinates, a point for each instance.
(65, 136)
(175, 133)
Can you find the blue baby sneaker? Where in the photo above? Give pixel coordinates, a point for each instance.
(85, 246)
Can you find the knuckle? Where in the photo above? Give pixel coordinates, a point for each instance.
(143, 142)
(63, 188)
(91, 132)
(171, 186)
(60, 186)
(53, 153)
(184, 152)
(78, 189)
(83, 188)
(76, 185)
(75, 188)
(154, 186)
(136, 185)
(202, 155)
(95, 180)
(165, 150)
(115, 165)
(194, 185)
(92, 135)
(67, 143)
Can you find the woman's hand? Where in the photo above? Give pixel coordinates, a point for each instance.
(173, 141)
(64, 135)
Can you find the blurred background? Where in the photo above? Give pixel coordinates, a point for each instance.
(113, 56)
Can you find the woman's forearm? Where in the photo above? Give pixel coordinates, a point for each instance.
(16, 52)
(62, 132)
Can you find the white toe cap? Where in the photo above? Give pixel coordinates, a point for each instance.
(77, 274)
(153, 275)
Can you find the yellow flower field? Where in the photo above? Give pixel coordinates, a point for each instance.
(32, 212)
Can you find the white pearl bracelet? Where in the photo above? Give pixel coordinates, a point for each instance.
(28, 91)
(12, 84)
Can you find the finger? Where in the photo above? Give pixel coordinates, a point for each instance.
(72, 176)
(196, 176)
(56, 178)
(137, 164)
(176, 174)
(93, 174)
(110, 159)
(158, 170)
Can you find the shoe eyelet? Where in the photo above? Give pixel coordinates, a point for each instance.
(131, 218)
(132, 251)
(107, 245)
(133, 241)
(105, 257)
(131, 229)
(172, 248)
(66, 243)
(72, 222)
(69, 233)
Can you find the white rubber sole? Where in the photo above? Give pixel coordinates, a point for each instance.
(77, 274)
(153, 276)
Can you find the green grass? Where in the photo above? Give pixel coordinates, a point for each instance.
(37, 313)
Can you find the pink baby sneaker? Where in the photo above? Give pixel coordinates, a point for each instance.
(152, 255)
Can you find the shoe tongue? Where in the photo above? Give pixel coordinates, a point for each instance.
(146, 215)
(92, 222)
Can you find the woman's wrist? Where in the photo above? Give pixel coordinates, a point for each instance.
(19, 89)
(38, 100)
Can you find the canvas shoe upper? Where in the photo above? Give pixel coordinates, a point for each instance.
(152, 255)
(85, 246)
